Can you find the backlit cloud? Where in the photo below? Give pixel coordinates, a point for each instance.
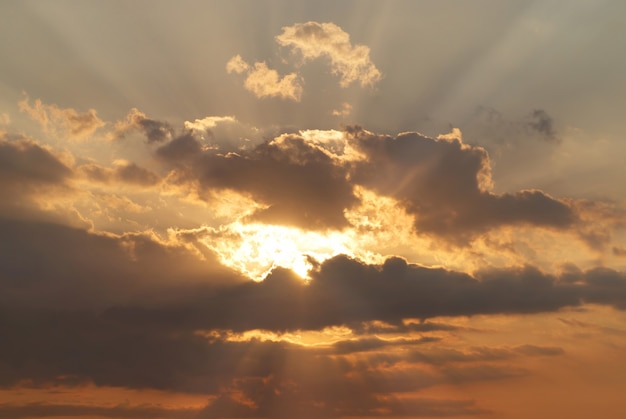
(237, 217)
(314, 40)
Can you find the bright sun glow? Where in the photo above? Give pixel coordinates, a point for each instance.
(256, 249)
(379, 227)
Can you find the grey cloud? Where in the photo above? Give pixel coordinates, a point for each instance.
(22, 161)
(299, 184)
(43, 410)
(541, 122)
(49, 265)
(372, 344)
(445, 183)
(125, 172)
(154, 131)
(346, 291)
(28, 173)
(130, 277)
(122, 335)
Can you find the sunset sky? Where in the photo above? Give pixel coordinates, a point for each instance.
(322, 209)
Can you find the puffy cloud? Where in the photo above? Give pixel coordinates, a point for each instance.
(225, 133)
(237, 65)
(294, 182)
(446, 184)
(263, 81)
(314, 40)
(67, 122)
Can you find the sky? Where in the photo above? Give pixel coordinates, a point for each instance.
(330, 209)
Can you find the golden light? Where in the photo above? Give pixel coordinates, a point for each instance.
(255, 249)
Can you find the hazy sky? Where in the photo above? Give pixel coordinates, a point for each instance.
(324, 209)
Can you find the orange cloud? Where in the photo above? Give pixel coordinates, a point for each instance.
(263, 81)
(314, 40)
(66, 122)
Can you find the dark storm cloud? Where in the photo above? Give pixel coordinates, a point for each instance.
(445, 184)
(299, 184)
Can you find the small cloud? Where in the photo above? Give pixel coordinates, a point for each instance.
(542, 123)
(345, 110)
(314, 40)
(59, 121)
(237, 65)
(4, 119)
(155, 131)
(266, 82)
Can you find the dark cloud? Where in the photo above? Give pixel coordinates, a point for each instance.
(43, 410)
(24, 162)
(49, 265)
(299, 184)
(445, 184)
(29, 173)
(542, 123)
(125, 172)
(80, 308)
(154, 131)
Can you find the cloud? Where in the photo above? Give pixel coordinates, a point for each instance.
(263, 81)
(64, 122)
(311, 40)
(31, 177)
(543, 124)
(294, 182)
(34, 410)
(155, 131)
(345, 110)
(237, 65)
(122, 171)
(226, 133)
(133, 312)
(446, 184)
(314, 40)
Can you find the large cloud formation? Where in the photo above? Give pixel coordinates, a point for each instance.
(310, 183)
(158, 309)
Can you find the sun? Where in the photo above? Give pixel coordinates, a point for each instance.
(255, 249)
